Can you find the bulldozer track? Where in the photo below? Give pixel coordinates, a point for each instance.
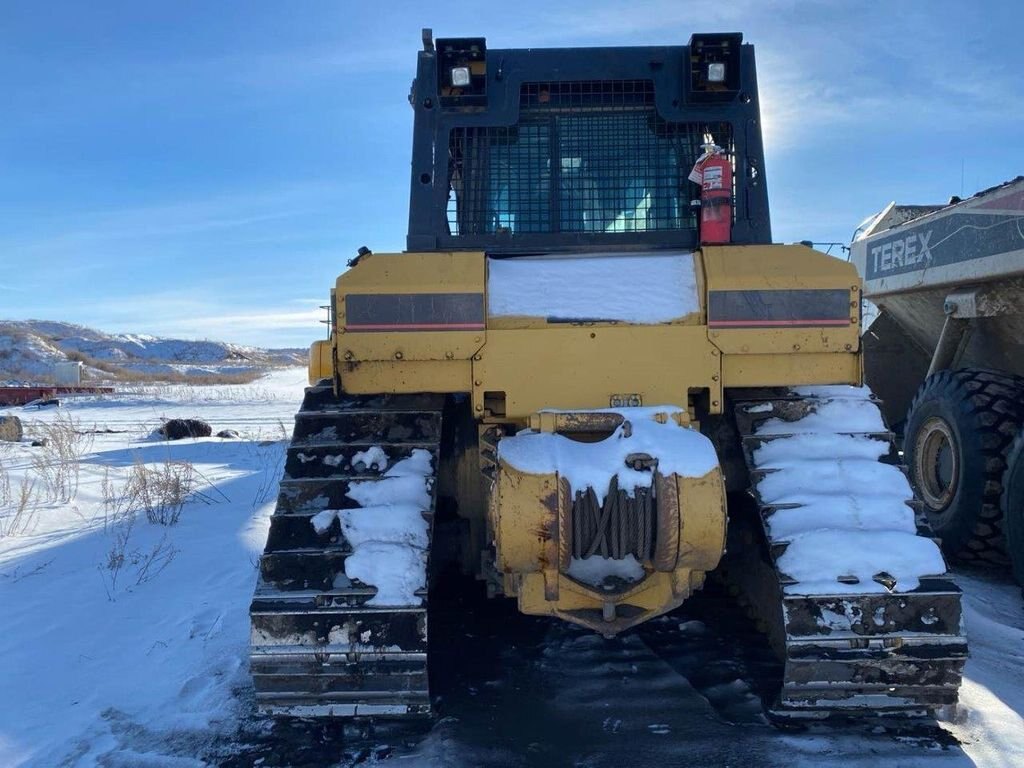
(319, 644)
(848, 654)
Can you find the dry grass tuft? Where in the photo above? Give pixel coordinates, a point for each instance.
(18, 507)
(160, 490)
(124, 560)
(270, 455)
(5, 486)
(18, 503)
(58, 462)
(164, 489)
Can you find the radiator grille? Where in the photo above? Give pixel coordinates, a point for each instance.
(586, 94)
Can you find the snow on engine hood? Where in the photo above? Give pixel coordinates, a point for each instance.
(644, 289)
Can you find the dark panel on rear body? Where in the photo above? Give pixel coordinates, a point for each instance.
(414, 312)
(772, 309)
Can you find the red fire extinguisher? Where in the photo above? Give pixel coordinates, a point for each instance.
(713, 171)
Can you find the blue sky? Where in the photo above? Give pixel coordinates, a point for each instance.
(205, 169)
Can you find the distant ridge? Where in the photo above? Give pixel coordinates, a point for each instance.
(29, 348)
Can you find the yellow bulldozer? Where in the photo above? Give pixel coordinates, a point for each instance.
(594, 381)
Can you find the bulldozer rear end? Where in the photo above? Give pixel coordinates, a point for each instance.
(559, 382)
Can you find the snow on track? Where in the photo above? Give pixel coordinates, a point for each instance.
(844, 513)
(388, 533)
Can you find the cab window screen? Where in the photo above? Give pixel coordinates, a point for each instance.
(585, 157)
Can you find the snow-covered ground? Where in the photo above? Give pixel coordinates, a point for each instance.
(149, 668)
(87, 658)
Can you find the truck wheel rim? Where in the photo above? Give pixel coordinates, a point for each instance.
(937, 463)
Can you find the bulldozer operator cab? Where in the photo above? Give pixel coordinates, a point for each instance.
(519, 151)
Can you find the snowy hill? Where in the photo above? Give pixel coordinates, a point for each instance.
(29, 348)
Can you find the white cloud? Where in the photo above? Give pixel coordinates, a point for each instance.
(197, 314)
(233, 210)
(229, 326)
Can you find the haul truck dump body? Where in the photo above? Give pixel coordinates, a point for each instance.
(565, 388)
(947, 356)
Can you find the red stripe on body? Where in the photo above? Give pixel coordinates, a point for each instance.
(417, 327)
(774, 323)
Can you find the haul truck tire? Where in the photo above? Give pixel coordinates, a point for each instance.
(960, 428)
(1013, 507)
